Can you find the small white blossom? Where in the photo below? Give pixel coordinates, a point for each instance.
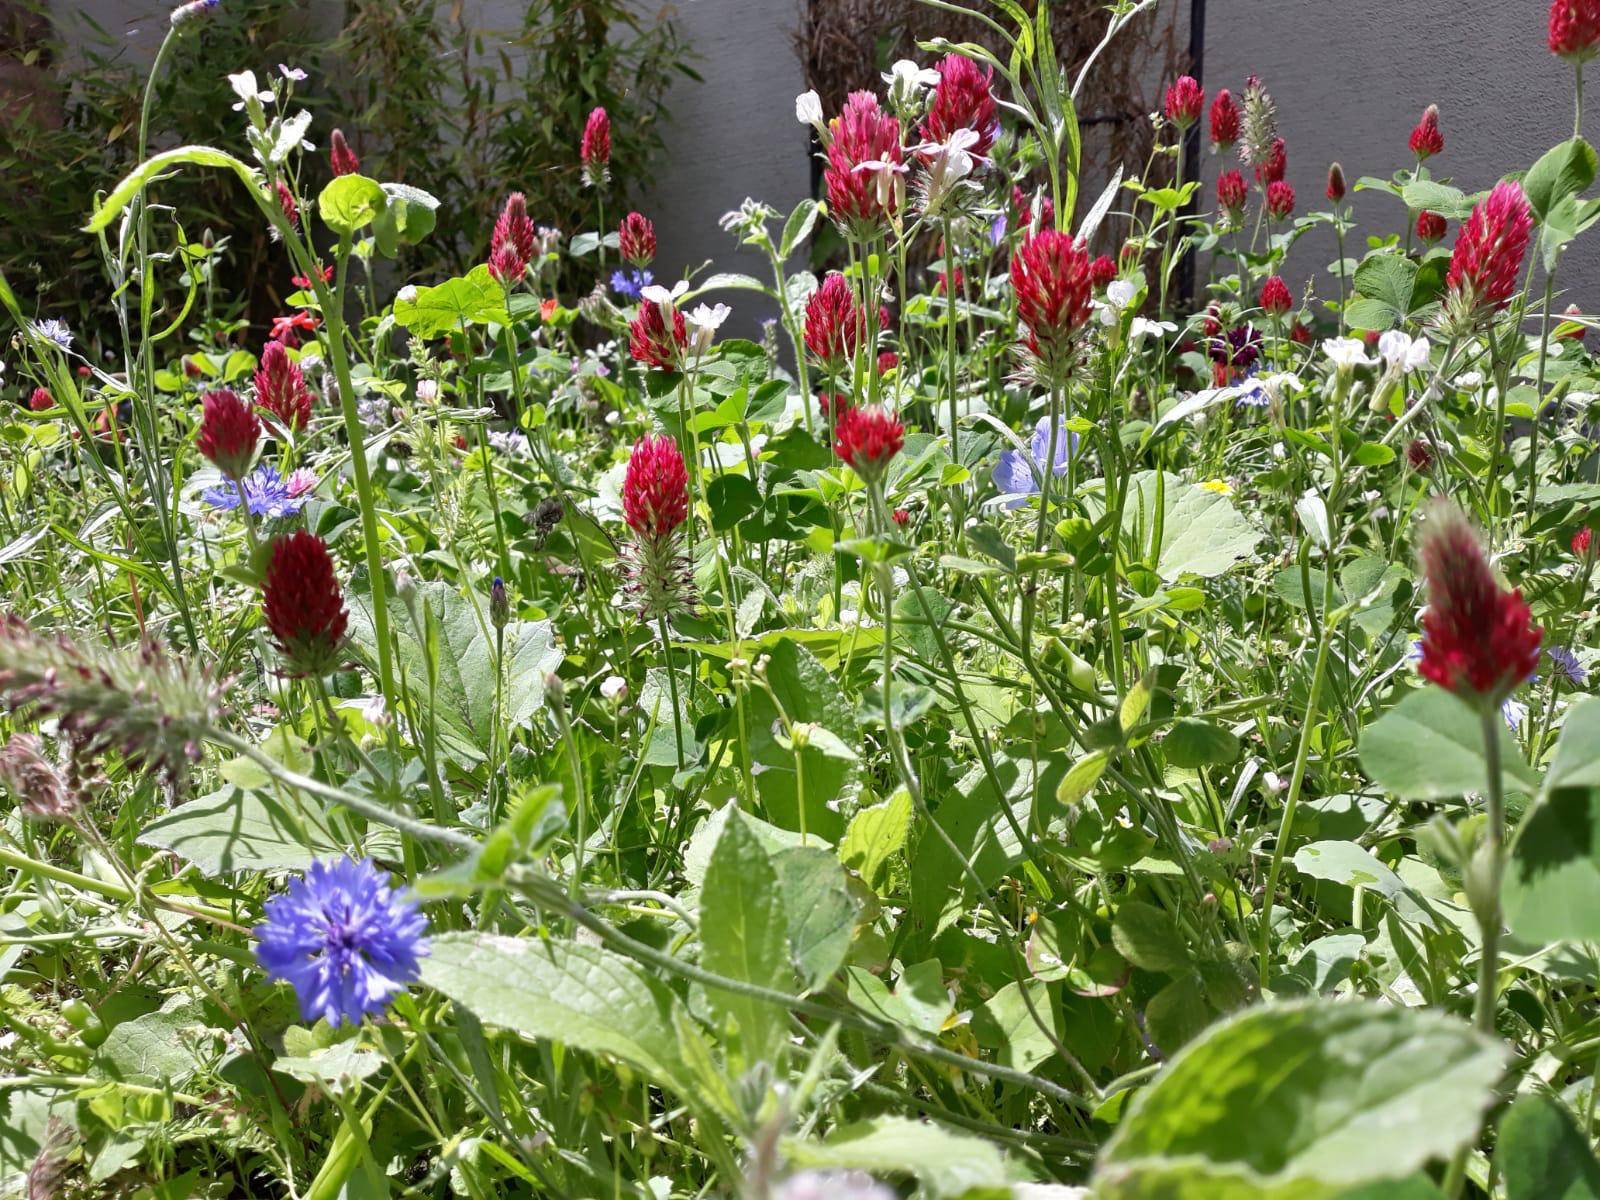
(706, 319)
(948, 164)
(1346, 353)
(906, 79)
(613, 688)
(890, 178)
(1402, 352)
(1143, 327)
(244, 86)
(427, 390)
(292, 74)
(808, 109)
(407, 294)
(657, 294)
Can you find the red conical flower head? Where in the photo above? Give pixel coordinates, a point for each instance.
(835, 324)
(1050, 276)
(1575, 29)
(865, 164)
(281, 387)
(658, 338)
(595, 148)
(1426, 140)
(636, 238)
(41, 400)
(1478, 639)
(341, 158)
(1224, 120)
(302, 604)
(655, 490)
(1231, 193)
(1184, 101)
(286, 202)
(1430, 226)
(1336, 185)
(1276, 164)
(1280, 199)
(867, 438)
(228, 432)
(1275, 296)
(1488, 254)
(963, 99)
(1102, 271)
(514, 243)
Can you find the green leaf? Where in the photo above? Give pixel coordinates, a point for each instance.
(1004, 1024)
(164, 1045)
(568, 992)
(350, 202)
(744, 934)
(1349, 864)
(798, 227)
(336, 1068)
(1080, 780)
(471, 299)
(464, 693)
(1149, 938)
(947, 1164)
(1562, 171)
(814, 896)
(875, 835)
(1541, 1155)
(1552, 883)
(1384, 283)
(1202, 533)
(237, 829)
(1430, 747)
(1196, 743)
(1303, 1101)
(1439, 198)
(137, 179)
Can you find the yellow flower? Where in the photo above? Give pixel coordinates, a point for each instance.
(1220, 486)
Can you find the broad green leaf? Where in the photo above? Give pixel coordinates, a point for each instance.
(1304, 1101)
(744, 934)
(336, 1068)
(1196, 743)
(1384, 283)
(568, 992)
(167, 1045)
(350, 202)
(946, 1163)
(1004, 1025)
(1080, 780)
(814, 896)
(464, 696)
(1149, 938)
(808, 693)
(1541, 1155)
(1552, 883)
(237, 829)
(1349, 864)
(1430, 747)
(798, 227)
(1562, 171)
(1202, 533)
(471, 299)
(1437, 197)
(918, 1000)
(135, 180)
(875, 835)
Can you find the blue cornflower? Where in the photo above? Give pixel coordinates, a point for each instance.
(1568, 666)
(631, 284)
(267, 494)
(344, 938)
(1014, 476)
(56, 331)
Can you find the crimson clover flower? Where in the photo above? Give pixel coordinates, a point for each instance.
(1184, 100)
(835, 324)
(1280, 199)
(636, 239)
(303, 605)
(1275, 296)
(1426, 140)
(341, 159)
(864, 159)
(1051, 277)
(867, 438)
(1430, 227)
(1478, 639)
(228, 432)
(594, 150)
(1231, 194)
(963, 99)
(344, 939)
(281, 387)
(1575, 29)
(1336, 184)
(1487, 259)
(655, 504)
(514, 242)
(1224, 120)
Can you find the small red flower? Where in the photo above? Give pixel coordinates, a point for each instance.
(1419, 455)
(1430, 226)
(888, 360)
(1280, 199)
(867, 438)
(1488, 253)
(963, 99)
(1275, 296)
(658, 338)
(41, 400)
(1582, 541)
(940, 284)
(636, 238)
(1022, 206)
(304, 282)
(1426, 140)
(1300, 335)
(1184, 101)
(1102, 271)
(286, 202)
(547, 308)
(834, 324)
(1478, 639)
(1336, 186)
(303, 605)
(594, 150)
(341, 158)
(1572, 329)
(901, 517)
(228, 432)
(655, 490)
(1224, 120)
(286, 329)
(1231, 193)
(281, 387)
(1050, 277)
(862, 134)
(1575, 29)
(1277, 163)
(514, 243)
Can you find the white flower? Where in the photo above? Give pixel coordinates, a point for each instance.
(1346, 353)
(948, 164)
(1120, 292)
(890, 178)
(657, 294)
(906, 79)
(1144, 327)
(407, 294)
(292, 74)
(427, 390)
(512, 443)
(1401, 352)
(706, 320)
(613, 688)
(244, 86)
(808, 109)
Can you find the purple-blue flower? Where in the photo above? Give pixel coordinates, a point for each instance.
(1014, 476)
(344, 939)
(1568, 666)
(265, 491)
(630, 284)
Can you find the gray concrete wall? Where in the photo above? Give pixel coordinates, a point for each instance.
(1352, 77)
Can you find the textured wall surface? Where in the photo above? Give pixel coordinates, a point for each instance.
(1352, 77)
